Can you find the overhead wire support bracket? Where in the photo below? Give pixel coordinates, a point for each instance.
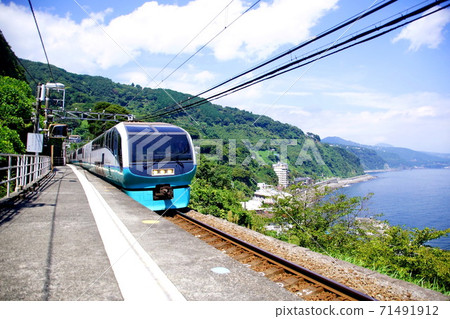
(92, 116)
(54, 96)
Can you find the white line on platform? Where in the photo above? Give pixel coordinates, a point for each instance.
(138, 276)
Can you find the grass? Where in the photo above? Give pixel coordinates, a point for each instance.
(421, 282)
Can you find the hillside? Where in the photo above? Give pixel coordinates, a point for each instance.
(382, 157)
(9, 65)
(257, 145)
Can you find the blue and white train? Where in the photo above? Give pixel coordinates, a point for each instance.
(154, 163)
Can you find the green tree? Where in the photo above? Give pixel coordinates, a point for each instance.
(9, 65)
(97, 127)
(83, 131)
(213, 192)
(310, 221)
(10, 142)
(16, 110)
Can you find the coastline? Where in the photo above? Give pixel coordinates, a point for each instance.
(336, 183)
(382, 170)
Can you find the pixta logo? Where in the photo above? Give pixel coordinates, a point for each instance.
(213, 149)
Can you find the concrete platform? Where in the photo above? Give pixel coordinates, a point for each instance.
(54, 246)
(50, 248)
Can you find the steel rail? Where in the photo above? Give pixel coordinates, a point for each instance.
(307, 274)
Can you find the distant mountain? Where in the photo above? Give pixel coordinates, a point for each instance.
(339, 141)
(440, 155)
(383, 156)
(384, 145)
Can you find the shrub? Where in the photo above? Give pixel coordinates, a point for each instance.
(333, 224)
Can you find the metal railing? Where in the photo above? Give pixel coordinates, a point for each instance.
(20, 171)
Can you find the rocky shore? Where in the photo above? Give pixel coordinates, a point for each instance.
(336, 183)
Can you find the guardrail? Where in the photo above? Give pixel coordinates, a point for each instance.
(21, 171)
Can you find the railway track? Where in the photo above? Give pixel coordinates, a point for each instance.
(307, 284)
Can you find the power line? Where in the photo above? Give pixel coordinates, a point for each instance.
(312, 64)
(189, 43)
(339, 26)
(28, 72)
(314, 39)
(142, 68)
(200, 49)
(179, 52)
(42, 41)
(261, 79)
(294, 65)
(212, 39)
(125, 51)
(287, 67)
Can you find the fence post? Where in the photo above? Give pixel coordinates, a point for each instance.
(8, 184)
(18, 173)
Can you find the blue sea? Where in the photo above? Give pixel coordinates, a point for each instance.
(411, 198)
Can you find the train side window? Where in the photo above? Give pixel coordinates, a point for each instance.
(109, 140)
(95, 144)
(119, 148)
(99, 142)
(114, 143)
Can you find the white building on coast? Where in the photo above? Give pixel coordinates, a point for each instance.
(281, 169)
(264, 195)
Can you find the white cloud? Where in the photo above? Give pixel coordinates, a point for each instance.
(426, 31)
(266, 28)
(137, 77)
(81, 48)
(419, 120)
(161, 29)
(204, 77)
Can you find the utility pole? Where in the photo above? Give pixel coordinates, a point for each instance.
(38, 108)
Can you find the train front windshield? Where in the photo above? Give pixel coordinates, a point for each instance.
(156, 147)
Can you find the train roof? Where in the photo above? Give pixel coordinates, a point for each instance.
(157, 127)
(148, 123)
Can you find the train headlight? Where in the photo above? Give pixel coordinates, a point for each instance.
(163, 172)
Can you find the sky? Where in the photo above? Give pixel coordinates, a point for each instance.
(394, 89)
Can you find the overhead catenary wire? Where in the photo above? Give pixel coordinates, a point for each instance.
(189, 43)
(329, 31)
(210, 40)
(42, 41)
(125, 51)
(28, 72)
(290, 66)
(201, 48)
(142, 68)
(314, 39)
(352, 45)
(287, 67)
(181, 51)
(312, 64)
(273, 74)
